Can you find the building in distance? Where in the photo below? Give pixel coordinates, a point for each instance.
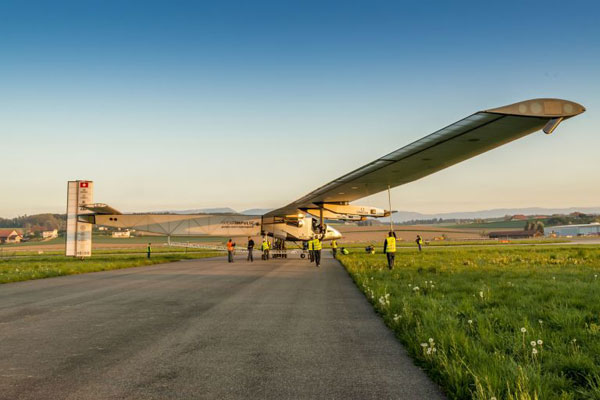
(592, 229)
(10, 236)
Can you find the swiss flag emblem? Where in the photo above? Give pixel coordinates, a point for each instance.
(83, 184)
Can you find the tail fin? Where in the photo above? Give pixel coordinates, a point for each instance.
(79, 234)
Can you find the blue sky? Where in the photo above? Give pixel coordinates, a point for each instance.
(174, 105)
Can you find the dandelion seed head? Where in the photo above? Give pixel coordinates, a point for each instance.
(470, 321)
(423, 344)
(430, 340)
(533, 343)
(523, 330)
(540, 342)
(534, 351)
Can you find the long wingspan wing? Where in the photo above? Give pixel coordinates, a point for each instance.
(462, 140)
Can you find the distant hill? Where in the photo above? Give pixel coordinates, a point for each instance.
(220, 210)
(402, 216)
(256, 211)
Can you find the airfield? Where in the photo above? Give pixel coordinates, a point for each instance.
(194, 325)
(201, 329)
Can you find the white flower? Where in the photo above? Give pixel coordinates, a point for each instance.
(481, 294)
(533, 343)
(540, 342)
(470, 322)
(523, 330)
(553, 278)
(423, 344)
(428, 351)
(416, 288)
(534, 351)
(430, 340)
(540, 321)
(574, 340)
(434, 349)
(432, 286)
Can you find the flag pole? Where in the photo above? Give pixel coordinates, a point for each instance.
(390, 205)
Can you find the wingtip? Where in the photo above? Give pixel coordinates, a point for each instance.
(544, 108)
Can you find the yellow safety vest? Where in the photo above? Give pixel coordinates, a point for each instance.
(310, 245)
(317, 244)
(391, 244)
(333, 244)
(265, 245)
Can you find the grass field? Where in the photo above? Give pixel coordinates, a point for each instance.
(38, 267)
(104, 239)
(504, 323)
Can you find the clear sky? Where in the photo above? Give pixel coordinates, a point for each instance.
(176, 104)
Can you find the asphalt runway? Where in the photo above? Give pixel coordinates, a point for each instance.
(201, 329)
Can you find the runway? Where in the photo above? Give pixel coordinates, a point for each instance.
(201, 329)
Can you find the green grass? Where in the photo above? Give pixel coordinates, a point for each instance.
(473, 303)
(105, 239)
(8, 253)
(448, 243)
(27, 268)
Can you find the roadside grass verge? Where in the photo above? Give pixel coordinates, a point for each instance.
(505, 323)
(449, 243)
(27, 268)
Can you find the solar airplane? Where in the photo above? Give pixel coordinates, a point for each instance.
(305, 217)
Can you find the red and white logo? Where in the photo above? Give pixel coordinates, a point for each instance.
(83, 184)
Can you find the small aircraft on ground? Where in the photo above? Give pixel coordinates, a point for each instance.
(297, 221)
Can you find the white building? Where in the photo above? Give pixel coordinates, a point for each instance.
(121, 234)
(574, 230)
(50, 234)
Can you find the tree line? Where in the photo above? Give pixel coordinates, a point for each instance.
(45, 222)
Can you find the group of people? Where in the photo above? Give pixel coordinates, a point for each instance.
(265, 247)
(315, 247)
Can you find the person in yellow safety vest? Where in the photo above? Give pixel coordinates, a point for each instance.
(317, 251)
(334, 247)
(389, 248)
(311, 252)
(265, 249)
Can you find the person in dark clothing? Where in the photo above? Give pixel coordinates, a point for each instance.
(250, 248)
(389, 248)
(149, 249)
(419, 242)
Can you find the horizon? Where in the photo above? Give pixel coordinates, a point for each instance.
(590, 211)
(182, 107)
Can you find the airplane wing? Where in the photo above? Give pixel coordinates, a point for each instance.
(471, 136)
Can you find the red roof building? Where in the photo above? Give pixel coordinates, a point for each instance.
(10, 236)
